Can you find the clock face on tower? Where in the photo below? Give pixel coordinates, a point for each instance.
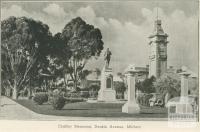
(162, 47)
(162, 51)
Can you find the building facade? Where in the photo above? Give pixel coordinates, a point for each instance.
(158, 51)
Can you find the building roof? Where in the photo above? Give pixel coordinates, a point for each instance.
(187, 71)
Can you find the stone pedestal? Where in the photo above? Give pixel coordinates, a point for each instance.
(131, 105)
(106, 92)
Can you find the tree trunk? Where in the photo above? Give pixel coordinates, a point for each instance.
(30, 93)
(14, 93)
(75, 85)
(8, 91)
(65, 83)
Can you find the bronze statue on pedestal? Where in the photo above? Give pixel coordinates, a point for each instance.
(107, 57)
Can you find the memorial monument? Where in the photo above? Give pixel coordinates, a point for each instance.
(107, 92)
(131, 105)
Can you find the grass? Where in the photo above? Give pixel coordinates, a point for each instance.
(84, 109)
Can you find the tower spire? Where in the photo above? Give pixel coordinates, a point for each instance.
(156, 10)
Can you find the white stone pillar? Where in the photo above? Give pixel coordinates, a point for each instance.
(184, 86)
(184, 105)
(131, 106)
(131, 87)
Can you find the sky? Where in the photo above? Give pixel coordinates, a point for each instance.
(125, 27)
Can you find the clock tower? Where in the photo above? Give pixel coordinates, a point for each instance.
(158, 51)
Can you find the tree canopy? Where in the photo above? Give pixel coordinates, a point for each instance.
(119, 87)
(24, 43)
(30, 52)
(146, 86)
(168, 83)
(84, 41)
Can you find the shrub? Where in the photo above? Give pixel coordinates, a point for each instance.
(119, 87)
(93, 90)
(74, 100)
(75, 95)
(40, 98)
(84, 94)
(93, 94)
(72, 95)
(143, 99)
(58, 102)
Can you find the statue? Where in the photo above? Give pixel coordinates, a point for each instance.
(107, 57)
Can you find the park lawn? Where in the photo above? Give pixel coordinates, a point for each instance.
(84, 109)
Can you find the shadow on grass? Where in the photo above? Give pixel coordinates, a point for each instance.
(78, 109)
(84, 109)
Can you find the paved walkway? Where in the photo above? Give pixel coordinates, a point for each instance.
(10, 110)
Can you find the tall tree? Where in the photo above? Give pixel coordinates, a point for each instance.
(84, 41)
(168, 83)
(119, 88)
(24, 44)
(122, 76)
(59, 57)
(146, 86)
